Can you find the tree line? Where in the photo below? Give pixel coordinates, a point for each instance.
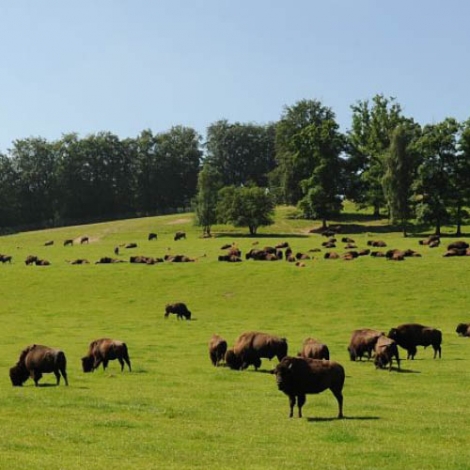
(240, 171)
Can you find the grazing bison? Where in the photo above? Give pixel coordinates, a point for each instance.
(179, 236)
(314, 349)
(410, 335)
(84, 240)
(152, 236)
(68, 242)
(131, 245)
(385, 350)
(235, 362)
(251, 346)
(463, 329)
(217, 349)
(179, 309)
(36, 360)
(103, 350)
(30, 259)
(298, 376)
(362, 343)
(6, 258)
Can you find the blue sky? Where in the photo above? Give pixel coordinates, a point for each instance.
(128, 65)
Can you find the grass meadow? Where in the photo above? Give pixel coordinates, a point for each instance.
(175, 410)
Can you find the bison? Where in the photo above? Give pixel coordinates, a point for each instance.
(68, 242)
(179, 236)
(6, 258)
(362, 343)
(314, 349)
(103, 350)
(152, 236)
(385, 350)
(217, 349)
(458, 245)
(30, 259)
(410, 335)
(36, 360)
(298, 376)
(49, 243)
(463, 329)
(179, 309)
(235, 362)
(251, 346)
(84, 240)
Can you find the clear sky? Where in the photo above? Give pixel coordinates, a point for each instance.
(127, 65)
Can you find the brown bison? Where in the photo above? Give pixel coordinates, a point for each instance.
(6, 258)
(103, 350)
(314, 349)
(179, 309)
(385, 350)
(377, 243)
(458, 245)
(298, 376)
(463, 329)
(84, 240)
(49, 243)
(79, 261)
(30, 259)
(36, 360)
(179, 236)
(362, 343)
(131, 245)
(152, 236)
(432, 241)
(410, 335)
(217, 349)
(251, 346)
(42, 262)
(68, 242)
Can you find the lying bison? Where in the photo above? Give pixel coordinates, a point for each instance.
(36, 360)
(314, 349)
(385, 350)
(410, 335)
(298, 376)
(103, 350)
(179, 309)
(463, 329)
(217, 349)
(251, 346)
(362, 343)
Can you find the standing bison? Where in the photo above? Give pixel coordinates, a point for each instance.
(36, 360)
(385, 350)
(410, 335)
(217, 349)
(179, 236)
(251, 346)
(297, 376)
(314, 349)
(362, 343)
(179, 309)
(463, 329)
(103, 350)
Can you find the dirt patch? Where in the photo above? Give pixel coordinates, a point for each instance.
(184, 220)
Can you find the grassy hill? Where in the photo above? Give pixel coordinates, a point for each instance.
(175, 410)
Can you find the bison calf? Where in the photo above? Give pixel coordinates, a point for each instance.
(217, 349)
(297, 377)
(36, 360)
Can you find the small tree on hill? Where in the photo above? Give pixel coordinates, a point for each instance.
(251, 207)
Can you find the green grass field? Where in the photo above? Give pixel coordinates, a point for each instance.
(175, 410)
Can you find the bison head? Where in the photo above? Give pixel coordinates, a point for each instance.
(88, 363)
(18, 375)
(461, 329)
(284, 373)
(233, 360)
(393, 334)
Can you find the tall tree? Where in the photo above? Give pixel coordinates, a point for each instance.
(434, 187)
(400, 167)
(462, 175)
(369, 141)
(302, 140)
(241, 153)
(251, 207)
(9, 210)
(205, 202)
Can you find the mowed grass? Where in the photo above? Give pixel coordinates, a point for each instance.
(175, 410)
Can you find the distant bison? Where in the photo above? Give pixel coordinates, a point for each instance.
(49, 243)
(251, 346)
(80, 261)
(385, 350)
(432, 241)
(36, 360)
(103, 350)
(42, 262)
(179, 309)
(314, 349)
(131, 245)
(410, 335)
(152, 236)
(377, 243)
(6, 258)
(30, 259)
(298, 376)
(362, 343)
(217, 349)
(84, 240)
(179, 236)
(463, 329)
(458, 245)
(68, 242)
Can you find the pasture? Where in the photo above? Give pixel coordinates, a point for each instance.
(175, 410)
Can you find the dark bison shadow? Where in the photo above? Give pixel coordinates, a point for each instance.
(355, 418)
(46, 385)
(406, 371)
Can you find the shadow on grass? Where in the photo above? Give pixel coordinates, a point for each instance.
(258, 235)
(355, 418)
(406, 371)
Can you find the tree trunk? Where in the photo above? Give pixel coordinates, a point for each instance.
(324, 225)
(376, 211)
(459, 221)
(438, 228)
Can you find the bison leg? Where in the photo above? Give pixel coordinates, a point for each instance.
(412, 352)
(36, 377)
(437, 349)
(339, 397)
(291, 405)
(300, 402)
